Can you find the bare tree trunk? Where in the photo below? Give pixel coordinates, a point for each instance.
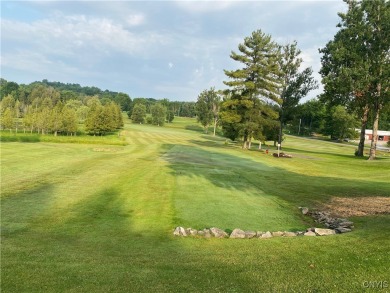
(374, 134)
(245, 141)
(360, 151)
(215, 125)
(249, 143)
(375, 126)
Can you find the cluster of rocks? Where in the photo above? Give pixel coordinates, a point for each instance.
(333, 225)
(281, 155)
(339, 225)
(238, 233)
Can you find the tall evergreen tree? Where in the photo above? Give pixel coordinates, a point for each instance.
(253, 87)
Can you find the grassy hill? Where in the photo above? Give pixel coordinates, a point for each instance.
(90, 216)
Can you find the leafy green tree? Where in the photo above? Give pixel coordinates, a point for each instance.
(117, 114)
(94, 121)
(355, 64)
(204, 113)
(7, 102)
(340, 124)
(252, 87)
(17, 114)
(170, 115)
(123, 100)
(7, 119)
(159, 113)
(56, 119)
(7, 88)
(138, 113)
(310, 117)
(296, 84)
(30, 118)
(69, 120)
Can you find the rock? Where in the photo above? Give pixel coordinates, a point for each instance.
(237, 233)
(346, 224)
(324, 232)
(310, 233)
(207, 233)
(259, 233)
(277, 233)
(200, 233)
(304, 210)
(289, 234)
(266, 235)
(192, 232)
(343, 230)
(180, 231)
(218, 233)
(250, 234)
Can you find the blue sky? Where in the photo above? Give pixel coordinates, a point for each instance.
(153, 49)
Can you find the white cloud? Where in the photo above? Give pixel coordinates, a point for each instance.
(205, 6)
(136, 19)
(170, 65)
(64, 35)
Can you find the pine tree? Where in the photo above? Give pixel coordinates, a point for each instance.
(253, 87)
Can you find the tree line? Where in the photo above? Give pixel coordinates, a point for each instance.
(54, 107)
(45, 113)
(263, 95)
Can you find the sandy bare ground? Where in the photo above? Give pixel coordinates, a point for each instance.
(358, 206)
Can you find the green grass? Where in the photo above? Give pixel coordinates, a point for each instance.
(110, 139)
(93, 217)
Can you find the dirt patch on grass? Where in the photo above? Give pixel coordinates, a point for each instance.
(358, 206)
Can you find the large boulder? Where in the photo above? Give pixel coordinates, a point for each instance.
(192, 232)
(218, 233)
(267, 234)
(259, 233)
(277, 233)
(180, 231)
(237, 233)
(324, 232)
(290, 234)
(310, 233)
(207, 233)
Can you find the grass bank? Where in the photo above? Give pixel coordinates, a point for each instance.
(81, 217)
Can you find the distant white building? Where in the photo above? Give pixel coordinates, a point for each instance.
(383, 136)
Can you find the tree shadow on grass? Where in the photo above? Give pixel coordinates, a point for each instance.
(236, 172)
(196, 128)
(96, 249)
(19, 211)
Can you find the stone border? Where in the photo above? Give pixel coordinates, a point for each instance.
(241, 234)
(334, 226)
(340, 225)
